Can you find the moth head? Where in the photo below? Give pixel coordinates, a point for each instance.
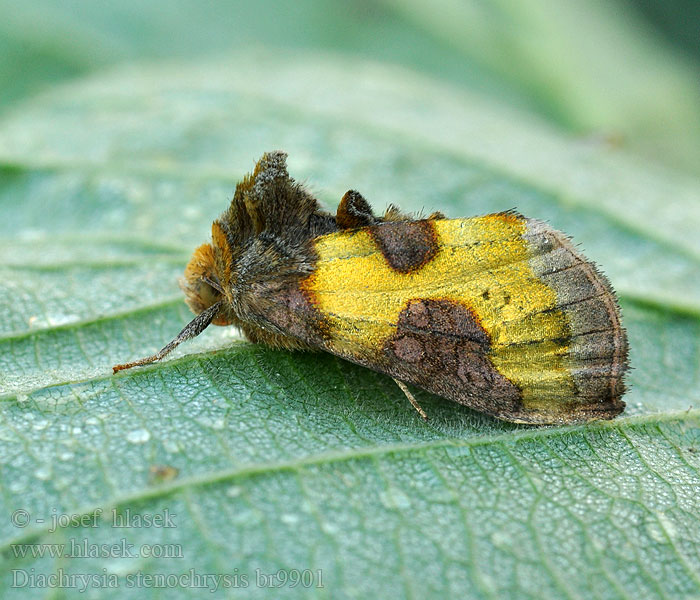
(203, 284)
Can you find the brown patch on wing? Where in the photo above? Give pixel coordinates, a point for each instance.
(295, 313)
(440, 345)
(406, 245)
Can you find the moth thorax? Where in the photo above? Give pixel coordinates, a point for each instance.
(202, 283)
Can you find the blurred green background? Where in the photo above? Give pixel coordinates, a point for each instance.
(625, 71)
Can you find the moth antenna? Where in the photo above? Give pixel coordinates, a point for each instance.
(192, 329)
(215, 284)
(411, 398)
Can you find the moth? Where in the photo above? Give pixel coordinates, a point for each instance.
(499, 312)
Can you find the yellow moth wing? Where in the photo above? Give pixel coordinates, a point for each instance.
(498, 285)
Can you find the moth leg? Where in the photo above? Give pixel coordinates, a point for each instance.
(411, 399)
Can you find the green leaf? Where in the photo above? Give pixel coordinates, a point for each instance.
(269, 460)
